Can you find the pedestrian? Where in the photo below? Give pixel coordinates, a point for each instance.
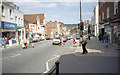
(89, 36)
(4, 41)
(84, 42)
(97, 36)
(100, 37)
(60, 41)
(105, 37)
(24, 44)
(19, 40)
(74, 40)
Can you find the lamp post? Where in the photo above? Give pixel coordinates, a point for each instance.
(79, 24)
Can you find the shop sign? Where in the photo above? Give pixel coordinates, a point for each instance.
(31, 25)
(101, 26)
(10, 25)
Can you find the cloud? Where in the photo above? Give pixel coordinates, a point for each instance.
(34, 5)
(73, 14)
(87, 15)
(53, 0)
(55, 16)
(70, 4)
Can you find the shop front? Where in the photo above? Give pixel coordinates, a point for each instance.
(116, 31)
(9, 31)
(101, 30)
(108, 31)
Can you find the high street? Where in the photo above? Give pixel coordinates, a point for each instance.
(33, 60)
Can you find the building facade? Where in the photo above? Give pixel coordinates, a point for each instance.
(51, 29)
(37, 24)
(109, 19)
(96, 20)
(12, 22)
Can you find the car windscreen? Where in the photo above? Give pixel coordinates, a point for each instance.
(57, 38)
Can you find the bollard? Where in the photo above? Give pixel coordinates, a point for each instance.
(57, 67)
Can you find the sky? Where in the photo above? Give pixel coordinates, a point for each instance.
(66, 11)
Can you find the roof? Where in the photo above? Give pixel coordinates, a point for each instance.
(33, 17)
(51, 25)
(117, 20)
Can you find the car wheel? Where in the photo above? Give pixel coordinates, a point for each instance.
(53, 43)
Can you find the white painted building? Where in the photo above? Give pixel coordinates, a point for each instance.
(96, 19)
(38, 21)
(12, 21)
(93, 25)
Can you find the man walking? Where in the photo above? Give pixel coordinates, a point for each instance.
(84, 42)
(105, 38)
(89, 36)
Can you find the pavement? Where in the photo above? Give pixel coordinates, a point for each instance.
(98, 60)
(96, 46)
(7, 46)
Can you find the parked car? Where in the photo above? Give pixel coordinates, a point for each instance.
(68, 37)
(71, 37)
(48, 38)
(42, 38)
(64, 38)
(77, 37)
(36, 39)
(56, 40)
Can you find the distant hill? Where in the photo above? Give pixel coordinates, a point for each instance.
(71, 25)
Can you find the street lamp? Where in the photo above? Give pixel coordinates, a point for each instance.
(80, 24)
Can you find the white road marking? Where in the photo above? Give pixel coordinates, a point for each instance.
(47, 63)
(79, 49)
(11, 56)
(16, 55)
(5, 58)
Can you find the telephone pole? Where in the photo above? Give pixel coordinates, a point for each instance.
(80, 11)
(79, 25)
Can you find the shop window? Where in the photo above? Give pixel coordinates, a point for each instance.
(115, 7)
(108, 12)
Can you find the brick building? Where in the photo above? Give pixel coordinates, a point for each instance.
(37, 21)
(109, 20)
(51, 28)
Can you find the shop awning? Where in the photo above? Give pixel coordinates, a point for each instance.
(9, 30)
(117, 20)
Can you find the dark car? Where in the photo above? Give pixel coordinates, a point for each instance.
(48, 38)
(77, 37)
